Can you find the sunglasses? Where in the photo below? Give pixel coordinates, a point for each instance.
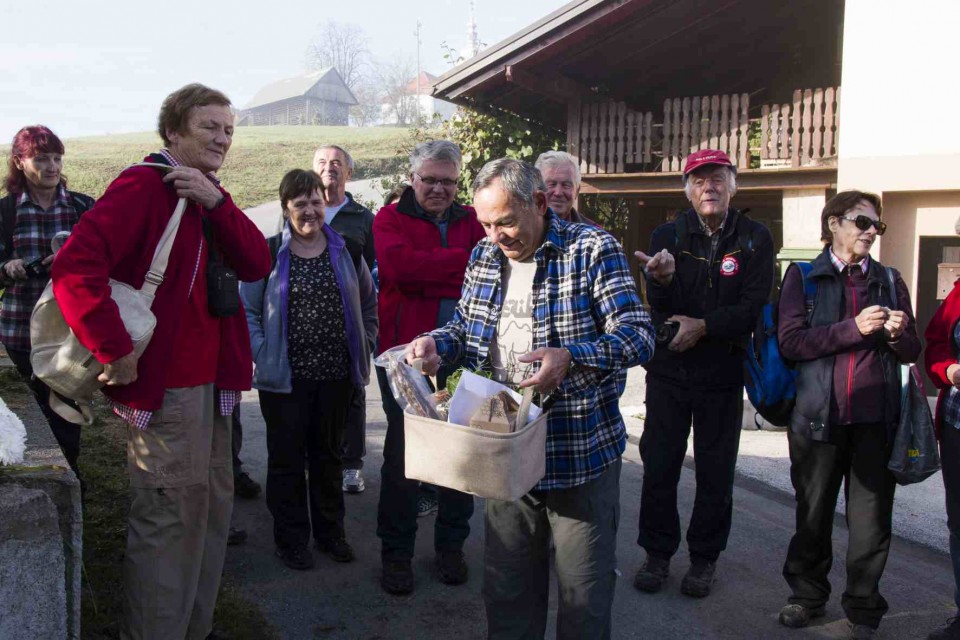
(863, 223)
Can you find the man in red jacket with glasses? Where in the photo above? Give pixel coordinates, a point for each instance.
(423, 244)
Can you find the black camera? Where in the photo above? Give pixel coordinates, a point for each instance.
(35, 268)
(667, 331)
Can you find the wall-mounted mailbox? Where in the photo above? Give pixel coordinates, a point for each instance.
(947, 274)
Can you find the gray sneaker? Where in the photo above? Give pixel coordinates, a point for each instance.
(353, 481)
(426, 506)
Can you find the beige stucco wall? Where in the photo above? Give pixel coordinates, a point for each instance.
(911, 215)
(896, 130)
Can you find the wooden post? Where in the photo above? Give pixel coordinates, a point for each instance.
(805, 144)
(795, 135)
(685, 126)
(735, 129)
(612, 137)
(695, 124)
(724, 138)
(744, 130)
(629, 121)
(602, 146)
(647, 134)
(573, 129)
(667, 130)
(817, 137)
(592, 156)
(714, 121)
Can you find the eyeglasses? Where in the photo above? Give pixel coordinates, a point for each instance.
(863, 223)
(431, 182)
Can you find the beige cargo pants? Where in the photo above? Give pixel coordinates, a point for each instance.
(181, 483)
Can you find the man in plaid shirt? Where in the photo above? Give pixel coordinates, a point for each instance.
(555, 299)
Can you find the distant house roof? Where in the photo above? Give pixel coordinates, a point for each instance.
(426, 82)
(325, 84)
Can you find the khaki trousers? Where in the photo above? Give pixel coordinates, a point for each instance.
(181, 483)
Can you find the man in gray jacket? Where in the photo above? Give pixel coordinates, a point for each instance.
(354, 222)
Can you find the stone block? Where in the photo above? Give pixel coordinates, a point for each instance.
(32, 566)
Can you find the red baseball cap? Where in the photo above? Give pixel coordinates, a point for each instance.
(703, 157)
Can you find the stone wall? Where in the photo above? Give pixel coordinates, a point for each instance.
(41, 537)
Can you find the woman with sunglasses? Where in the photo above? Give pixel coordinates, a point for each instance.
(848, 341)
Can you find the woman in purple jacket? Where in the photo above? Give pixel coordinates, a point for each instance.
(848, 343)
(313, 323)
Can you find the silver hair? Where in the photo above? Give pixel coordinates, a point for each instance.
(555, 158)
(346, 154)
(731, 181)
(521, 180)
(436, 150)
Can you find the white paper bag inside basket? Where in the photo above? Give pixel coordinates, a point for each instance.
(503, 466)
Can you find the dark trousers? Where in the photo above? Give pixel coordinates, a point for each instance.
(397, 511)
(305, 428)
(237, 441)
(582, 522)
(355, 432)
(716, 416)
(856, 455)
(66, 433)
(950, 467)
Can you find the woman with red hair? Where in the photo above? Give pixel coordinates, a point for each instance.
(36, 209)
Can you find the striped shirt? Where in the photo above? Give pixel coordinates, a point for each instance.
(227, 400)
(34, 228)
(584, 300)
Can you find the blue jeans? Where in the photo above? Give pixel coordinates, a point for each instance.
(397, 510)
(950, 461)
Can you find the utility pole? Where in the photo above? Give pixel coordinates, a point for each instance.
(419, 26)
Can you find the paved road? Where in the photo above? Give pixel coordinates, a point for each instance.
(345, 601)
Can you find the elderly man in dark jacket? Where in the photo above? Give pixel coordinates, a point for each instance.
(354, 222)
(708, 273)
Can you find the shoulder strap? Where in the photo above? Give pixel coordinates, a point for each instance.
(809, 286)
(745, 236)
(8, 221)
(161, 255)
(680, 234)
(892, 279)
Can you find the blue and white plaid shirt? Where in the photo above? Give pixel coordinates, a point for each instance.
(585, 300)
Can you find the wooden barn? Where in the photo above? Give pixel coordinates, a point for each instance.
(318, 97)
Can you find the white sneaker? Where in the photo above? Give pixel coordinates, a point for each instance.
(353, 481)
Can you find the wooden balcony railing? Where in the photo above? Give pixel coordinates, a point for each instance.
(609, 137)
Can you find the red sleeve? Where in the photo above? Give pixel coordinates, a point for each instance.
(409, 266)
(82, 268)
(243, 246)
(939, 354)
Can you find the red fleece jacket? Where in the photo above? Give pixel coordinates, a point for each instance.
(116, 239)
(415, 270)
(940, 352)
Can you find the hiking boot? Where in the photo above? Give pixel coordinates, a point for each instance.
(353, 481)
(451, 567)
(236, 536)
(245, 487)
(426, 506)
(337, 548)
(699, 579)
(298, 557)
(652, 574)
(862, 632)
(797, 616)
(397, 577)
(949, 632)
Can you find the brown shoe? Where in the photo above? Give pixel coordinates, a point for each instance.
(397, 577)
(797, 616)
(699, 579)
(652, 574)
(451, 567)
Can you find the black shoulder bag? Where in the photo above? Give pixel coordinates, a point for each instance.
(223, 287)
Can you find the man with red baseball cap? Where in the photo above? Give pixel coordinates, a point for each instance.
(709, 273)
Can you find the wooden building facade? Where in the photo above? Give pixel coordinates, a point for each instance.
(315, 98)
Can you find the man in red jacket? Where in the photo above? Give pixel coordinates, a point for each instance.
(423, 244)
(179, 395)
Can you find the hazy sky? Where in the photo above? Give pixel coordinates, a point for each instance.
(87, 67)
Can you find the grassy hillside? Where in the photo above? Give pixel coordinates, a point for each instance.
(256, 162)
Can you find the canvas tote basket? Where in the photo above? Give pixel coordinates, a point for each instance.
(65, 365)
(503, 466)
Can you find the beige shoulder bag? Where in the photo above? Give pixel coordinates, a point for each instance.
(65, 365)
